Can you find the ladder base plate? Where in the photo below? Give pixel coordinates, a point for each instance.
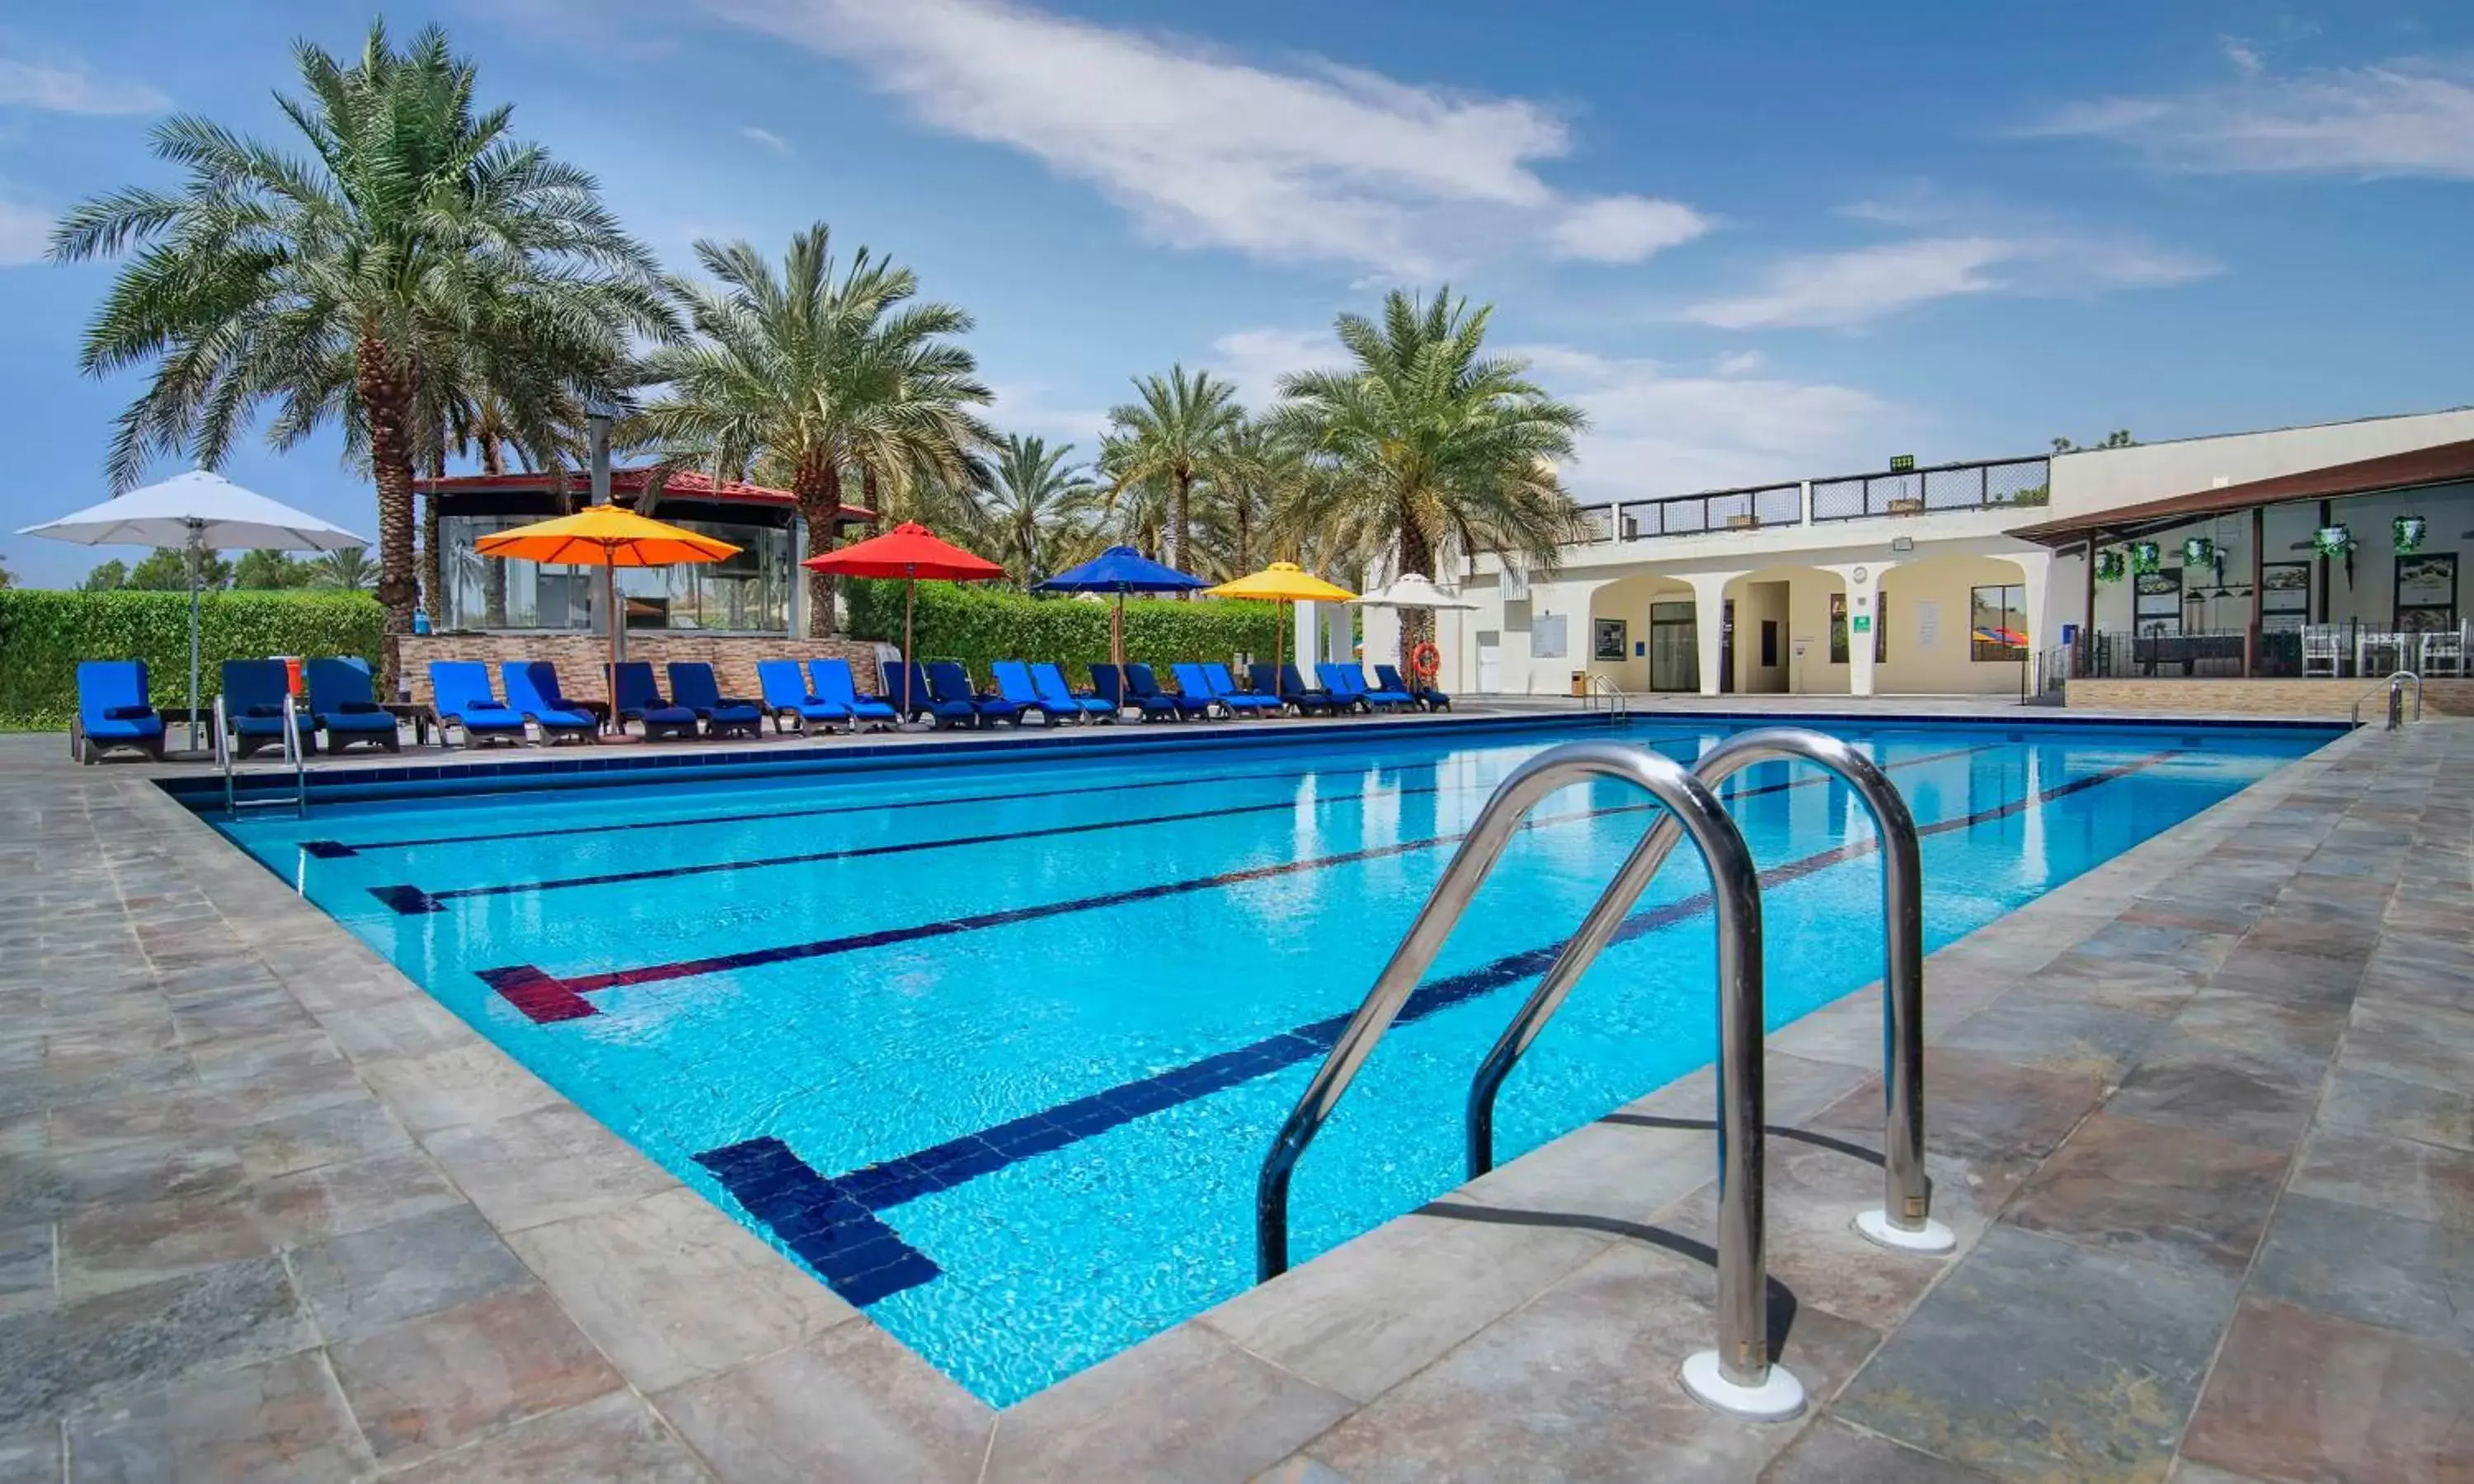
(1875, 1227)
(1777, 1398)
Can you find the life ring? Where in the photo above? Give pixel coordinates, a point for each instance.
(1424, 661)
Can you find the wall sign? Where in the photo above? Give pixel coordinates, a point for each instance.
(1613, 635)
(1549, 636)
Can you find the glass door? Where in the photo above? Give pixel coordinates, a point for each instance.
(1674, 647)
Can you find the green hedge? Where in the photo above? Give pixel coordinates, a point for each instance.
(44, 634)
(980, 625)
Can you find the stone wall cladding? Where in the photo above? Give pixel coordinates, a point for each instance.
(579, 657)
(2174, 697)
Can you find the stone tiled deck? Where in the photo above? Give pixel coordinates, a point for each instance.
(2202, 1120)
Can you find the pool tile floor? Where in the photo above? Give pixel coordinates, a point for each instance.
(2202, 1120)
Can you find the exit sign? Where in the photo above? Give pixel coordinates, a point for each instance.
(1902, 462)
(1863, 623)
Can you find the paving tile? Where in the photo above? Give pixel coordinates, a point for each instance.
(1831, 1452)
(1364, 1316)
(434, 1382)
(544, 1166)
(59, 1356)
(302, 1057)
(333, 1200)
(1132, 1417)
(1580, 1385)
(360, 1284)
(27, 1267)
(1996, 1117)
(2416, 1277)
(47, 1186)
(2070, 1039)
(321, 1135)
(90, 1080)
(641, 1281)
(2264, 1026)
(2305, 1395)
(2171, 1195)
(2408, 1057)
(278, 1421)
(850, 1404)
(469, 1083)
(2112, 983)
(2358, 1099)
(2037, 1360)
(613, 1438)
(107, 1247)
(406, 1026)
(2202, 1084)
(2421, 1182)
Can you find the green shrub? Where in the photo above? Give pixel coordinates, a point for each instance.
(44, 634)
(980, 625)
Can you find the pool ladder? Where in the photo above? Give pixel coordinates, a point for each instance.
(1601, 694)
(294, 758)
(1737, 1377)
(2396, 699)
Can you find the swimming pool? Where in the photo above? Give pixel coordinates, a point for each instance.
(996, 1047)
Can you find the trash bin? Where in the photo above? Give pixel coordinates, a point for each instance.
(1580, 682)
(291, 672)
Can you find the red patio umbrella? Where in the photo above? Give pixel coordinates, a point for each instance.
(911, 552)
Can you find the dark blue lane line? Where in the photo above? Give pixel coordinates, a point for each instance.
(412, 899)
(806, 1202)
(858, 1255)
(545, 997)
(336, 849)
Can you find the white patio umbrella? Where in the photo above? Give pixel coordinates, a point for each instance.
(197, 512)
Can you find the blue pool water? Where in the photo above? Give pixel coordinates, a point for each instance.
(997, 1047)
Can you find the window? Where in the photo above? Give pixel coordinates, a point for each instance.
(1838, 628)
(1997, 623)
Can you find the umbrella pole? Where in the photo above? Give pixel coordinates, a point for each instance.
(1117, 633)
(610, 672)
(910, 595)
(196, 536)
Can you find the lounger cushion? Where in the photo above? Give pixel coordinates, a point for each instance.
(127, 713)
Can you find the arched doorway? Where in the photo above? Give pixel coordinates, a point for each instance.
(1780, 619)
(1642, 634)
(1959, 624)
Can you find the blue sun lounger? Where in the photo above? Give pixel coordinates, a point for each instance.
(834, 686)
(1013, 683)
(1049, 680)
(941, 709)
(1223, 689)
(1115, 688)
(1392, 696)
(113, 711)
(250, 710)
(344, 704)
(1427, 696)
(532, 693)
(793, 706)
(693, 685)
(1348, 679)
(460, 694)
(640, 699)
(948, 683)
(1293, 684)
(1145, 684)
(1270, 681)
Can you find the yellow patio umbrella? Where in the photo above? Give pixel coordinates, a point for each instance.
(607, 537)
(1283, 583)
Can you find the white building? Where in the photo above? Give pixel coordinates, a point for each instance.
(1919, 582)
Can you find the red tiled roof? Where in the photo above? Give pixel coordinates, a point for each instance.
(2439, 463)
(685, 484)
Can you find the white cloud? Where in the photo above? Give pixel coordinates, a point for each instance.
(1255, 360)
(1840, 290)
(1655, 431)
(1624, 229)
(1032, 408)
(25, 234)
(1741, 363)
(68, 87)
(765, 137)
(2412, 117)
(1314, 161)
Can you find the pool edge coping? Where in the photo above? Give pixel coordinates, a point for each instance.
(887, 1379)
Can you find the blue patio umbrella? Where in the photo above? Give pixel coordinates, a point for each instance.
(1121, 570)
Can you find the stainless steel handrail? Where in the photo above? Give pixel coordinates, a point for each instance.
(1737, 1377)
(1598, 687)
(293, 755)
(2396, 699)
(1905, 1220)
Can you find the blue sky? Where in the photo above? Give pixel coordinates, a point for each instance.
(1766, 240)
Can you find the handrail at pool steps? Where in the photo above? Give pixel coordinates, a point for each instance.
(1905, 1220)
(2395, 684)
(294, 758)
(1737, 1377)
(1596, 688)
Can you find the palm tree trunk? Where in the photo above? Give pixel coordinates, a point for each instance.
(818, 484)
(494, 569)
(386, 400)
(1180, 507)
(1416, 555)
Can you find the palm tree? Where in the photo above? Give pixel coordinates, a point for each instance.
(1427, 449)
(1176, 435)
(414, 238)
(1033, 494)
(821, 377)
(347, 569)
(1262, 469)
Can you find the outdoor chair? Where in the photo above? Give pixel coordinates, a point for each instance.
(460, 694)
(1049, 680)
(949, 684)
(250, 710)
(640, 699)
(693, 685)
(1427, 696)
(113, 711)
(343, 704)
(1269, 680)
(532, 693)
(1013, 683)
(1114, 687)
(792, 706)
(1141, 684)
(835, 686)
(2321, 650)
(2444, 653)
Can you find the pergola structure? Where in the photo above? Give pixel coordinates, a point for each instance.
(2397, 473)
